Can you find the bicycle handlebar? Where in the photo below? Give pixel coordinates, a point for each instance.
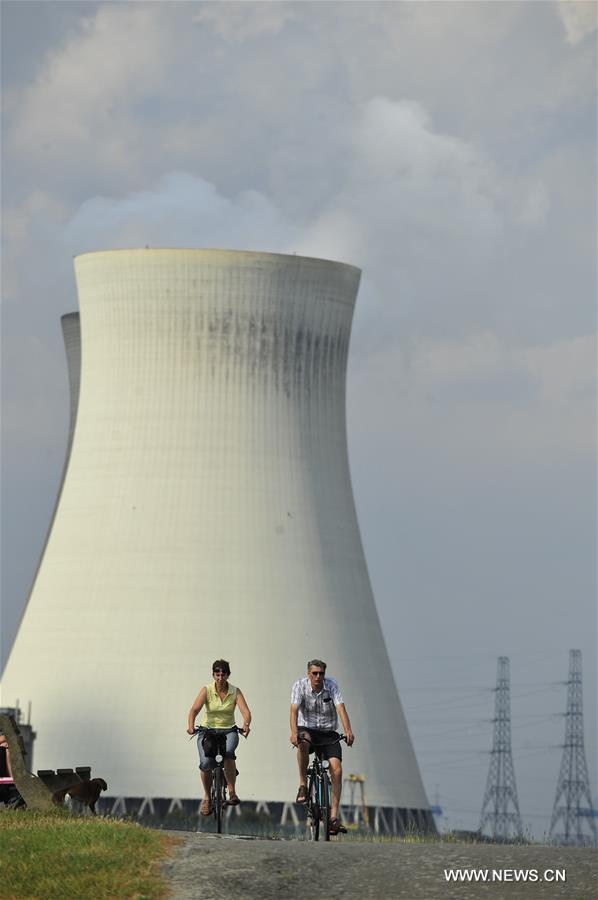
(206, 730)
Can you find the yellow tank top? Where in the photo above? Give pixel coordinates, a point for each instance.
(219, 713)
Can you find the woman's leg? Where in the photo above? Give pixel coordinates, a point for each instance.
(206, 780)
(206, 764)
(230, 770)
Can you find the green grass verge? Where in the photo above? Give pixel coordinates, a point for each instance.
(56, 855)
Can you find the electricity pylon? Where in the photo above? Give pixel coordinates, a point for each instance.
(573, 800)
(500, 808)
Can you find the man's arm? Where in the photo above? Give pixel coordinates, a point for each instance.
(294, 724)
(346, 723)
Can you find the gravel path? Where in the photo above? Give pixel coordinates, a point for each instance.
(209, 867)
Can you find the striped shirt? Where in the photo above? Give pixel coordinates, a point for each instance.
(317, 709)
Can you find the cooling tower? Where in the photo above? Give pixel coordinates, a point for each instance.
(206, 512)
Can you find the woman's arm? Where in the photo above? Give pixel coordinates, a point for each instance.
(198, 704)
(245, 712)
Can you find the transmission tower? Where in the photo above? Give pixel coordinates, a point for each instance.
(500, 809)
(573, 801)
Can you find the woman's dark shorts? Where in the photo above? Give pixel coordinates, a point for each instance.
(331, 738)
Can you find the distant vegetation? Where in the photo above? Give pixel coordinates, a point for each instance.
(56, 855)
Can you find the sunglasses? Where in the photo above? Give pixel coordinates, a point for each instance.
(317, 674)
(219, 672)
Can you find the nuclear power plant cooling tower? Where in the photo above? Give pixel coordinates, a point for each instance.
(206, 512)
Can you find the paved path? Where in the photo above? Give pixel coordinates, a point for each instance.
(208, 867)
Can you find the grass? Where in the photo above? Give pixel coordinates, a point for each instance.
(56, 855)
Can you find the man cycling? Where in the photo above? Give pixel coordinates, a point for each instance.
(315, 701)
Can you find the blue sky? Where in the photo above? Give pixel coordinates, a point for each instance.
(449, 150)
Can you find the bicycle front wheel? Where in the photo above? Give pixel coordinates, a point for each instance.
(217, 786)
(325, 805)
(313, 808)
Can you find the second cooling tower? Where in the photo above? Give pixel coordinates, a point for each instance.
(207, 512)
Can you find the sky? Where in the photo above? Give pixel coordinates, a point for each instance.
(448, 149)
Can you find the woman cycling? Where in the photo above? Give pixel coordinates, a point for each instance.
(220, 699)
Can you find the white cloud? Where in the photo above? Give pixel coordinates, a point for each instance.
(430, 179)
(180, 210)
(396, 138)
(135, 90)
(423, 212)
(484, 401)
(579, 18)
(81, 99)
(334, 233)
(404, 190)
(241, 21)
(566, 375)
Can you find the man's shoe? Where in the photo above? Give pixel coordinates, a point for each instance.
(205, 808)
(335, 827)
(233, 800)
(301, 794)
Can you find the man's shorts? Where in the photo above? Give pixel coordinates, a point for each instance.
(332, 750)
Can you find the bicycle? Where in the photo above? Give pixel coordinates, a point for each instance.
(318, 790)
(218, 801)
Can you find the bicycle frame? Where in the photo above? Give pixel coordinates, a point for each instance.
(218, 789)
(318, 798)
(318, 791)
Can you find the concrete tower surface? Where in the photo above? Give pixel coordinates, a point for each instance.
(207, 512)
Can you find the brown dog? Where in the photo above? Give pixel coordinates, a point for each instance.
(86, 792)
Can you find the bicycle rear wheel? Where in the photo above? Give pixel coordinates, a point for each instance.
(313, 808)
(217, 785)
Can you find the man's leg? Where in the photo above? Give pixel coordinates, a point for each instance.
(336, 776)
(302, 761)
